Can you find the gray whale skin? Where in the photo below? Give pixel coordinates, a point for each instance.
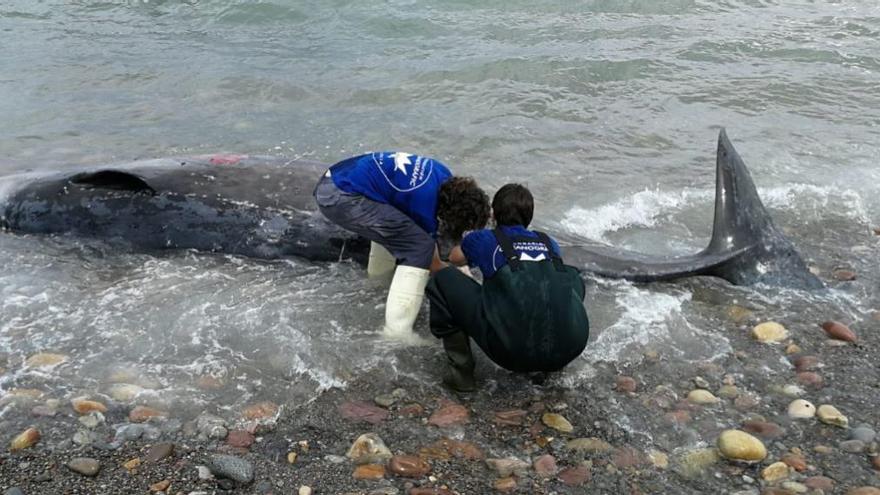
(263, 207)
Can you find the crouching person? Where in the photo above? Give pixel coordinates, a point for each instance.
(527, 316)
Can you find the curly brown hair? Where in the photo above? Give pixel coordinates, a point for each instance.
(461, 206)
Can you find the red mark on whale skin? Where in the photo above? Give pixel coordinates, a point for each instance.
(226, 159)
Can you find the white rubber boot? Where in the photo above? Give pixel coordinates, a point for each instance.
(404, 301)
(381, 262)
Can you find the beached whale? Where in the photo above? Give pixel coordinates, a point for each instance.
(263, 207)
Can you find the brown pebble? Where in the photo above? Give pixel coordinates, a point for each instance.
(369, 472)
(429, 491)
(875, 461)
(261, 411)
(449, 415)
(159, 451)
(354, 410)
(628, 457)
(132, 464)
(545, 466)
(845, 275)
(805, 363)
(412, 410)
(763, 429)
(141, 414)
(864, 490)
(240, 439)
(626, 384)
(823, 483)
(513, 417)
(839, 331)
(575, 476)
(776, 491)
(83, 406)
(810, 378)
(25, 439)
(796, 462)
(505, 485)
(823, 449)
(679, 416)
(408, 466)
(161, 486)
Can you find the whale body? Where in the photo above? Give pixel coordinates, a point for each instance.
(263, 207)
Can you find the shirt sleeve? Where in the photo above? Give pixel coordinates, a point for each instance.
(471, 244)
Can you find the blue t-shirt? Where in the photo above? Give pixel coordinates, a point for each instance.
(407, 182)
(482, 250)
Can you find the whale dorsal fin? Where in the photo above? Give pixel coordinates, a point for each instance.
(113, 179)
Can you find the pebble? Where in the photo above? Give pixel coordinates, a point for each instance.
(369, 472)
(679, 416)
(659, 459)
(160, 486)
(795, 461)
(801, 409)
(369, 449)
(124, 392)
(85, 406)
(864, 490)
(822, 449)
(26, 439)
(739, 445)
(823, 483)
(769, 332)
(240, 439)
(829, 414)
(142, 414)
(588, 445)
(512, 417)
(701, 382)
(810, 378)
(875, 461)
(92, 420)
(210, 426)
(450, 414)
(702, 397)
(409, 466)
(361, 411)
(159, 451)
(844, 275)
(204, 473)
(557, 422)
(291, 457)
(44, 360)
(44, 411)
(806, 363)
(863, 433)
(728, 391)
(694, 463)
(775, 472)
(261, 411)
(852, 446)
(545, 466)
(626, 384)
(745, 402)
(764, 429)
(509, 466)
(132, 464)
(793, 349)
(792, 391)
(839, 331)
(385, 400)
(129, 432)
(234, 468)
(304, 490)
(794, 486)
(505, 485)
(576, 476)
(85, 466)
(13, 491)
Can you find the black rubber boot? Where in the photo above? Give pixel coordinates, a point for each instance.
(460, 376)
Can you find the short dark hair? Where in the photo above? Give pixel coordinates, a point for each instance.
(513, 204)
(461, 206)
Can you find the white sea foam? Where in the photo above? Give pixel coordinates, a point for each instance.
(652, 208)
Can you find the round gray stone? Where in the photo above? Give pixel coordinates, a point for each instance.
(863, 433)
(85, 466)
(231, 467)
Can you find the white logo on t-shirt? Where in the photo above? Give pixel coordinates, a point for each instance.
(401, 160)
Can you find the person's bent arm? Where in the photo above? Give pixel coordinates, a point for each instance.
(457, 257)
(436, 263)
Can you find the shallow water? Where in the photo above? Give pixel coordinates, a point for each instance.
(608, 110)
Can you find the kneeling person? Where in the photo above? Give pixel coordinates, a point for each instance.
(527, 316)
